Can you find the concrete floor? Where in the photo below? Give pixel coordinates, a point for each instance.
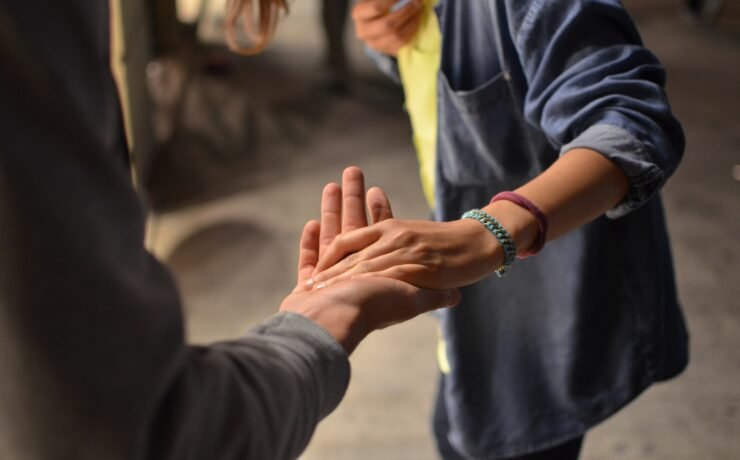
(250, 150)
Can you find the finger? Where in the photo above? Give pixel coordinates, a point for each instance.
(353, 199)
(371, 9)
(345, 244)
(379, 205)
(389, 24)
(331, 216)
(428, 298)
(390, 43)
(373, 259)
(413, 274)
(308, 252)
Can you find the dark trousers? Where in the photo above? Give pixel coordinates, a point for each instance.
(334, 19)
(566, 451)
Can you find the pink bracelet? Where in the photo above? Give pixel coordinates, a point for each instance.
(539, 241)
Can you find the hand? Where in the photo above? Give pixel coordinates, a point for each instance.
(342, 210)
(437, 255)
(351, 310)
(383, 30)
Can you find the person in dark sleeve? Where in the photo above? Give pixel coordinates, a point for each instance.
(93, 362)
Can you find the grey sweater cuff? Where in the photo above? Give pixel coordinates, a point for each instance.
(329, 360)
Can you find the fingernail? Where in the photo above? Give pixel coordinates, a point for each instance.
(309, 283)
(400, 4)
(321, 286)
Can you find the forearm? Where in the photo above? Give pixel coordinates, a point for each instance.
(580, 186)
(257, 397)
(577, 188)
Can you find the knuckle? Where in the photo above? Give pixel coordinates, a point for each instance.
(433, 261)
(402, 237)
(422, 249)
(399, 274)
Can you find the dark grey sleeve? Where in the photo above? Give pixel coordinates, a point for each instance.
(93, 362)
(256, 398)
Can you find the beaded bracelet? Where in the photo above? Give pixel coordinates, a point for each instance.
(501, 235)
(542, 224)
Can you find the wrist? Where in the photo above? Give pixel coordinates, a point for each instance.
(490, 251)
(342, 321)
(519, 223)
(346, 328)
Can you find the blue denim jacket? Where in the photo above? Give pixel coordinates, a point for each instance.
(573, 334)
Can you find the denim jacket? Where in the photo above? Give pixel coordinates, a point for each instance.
(569, 336)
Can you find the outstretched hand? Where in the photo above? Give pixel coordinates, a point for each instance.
(435, 255)
(342, 210)
(351, 309)
(384, 27)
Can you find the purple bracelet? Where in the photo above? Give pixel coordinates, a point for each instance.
(539, 241)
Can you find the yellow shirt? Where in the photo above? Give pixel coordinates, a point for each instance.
(418, 64)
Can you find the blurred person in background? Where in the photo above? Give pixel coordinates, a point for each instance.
(334, 20)
(93, 360)
(546, 125)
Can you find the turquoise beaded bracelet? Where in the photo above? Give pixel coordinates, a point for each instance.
(501, 235)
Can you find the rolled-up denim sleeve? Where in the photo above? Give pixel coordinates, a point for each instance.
(592, 84)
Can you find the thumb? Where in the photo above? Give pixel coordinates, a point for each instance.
(433, 299)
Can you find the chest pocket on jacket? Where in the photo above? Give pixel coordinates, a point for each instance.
(481, 139)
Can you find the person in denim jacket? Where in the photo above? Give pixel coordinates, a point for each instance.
(560, 102)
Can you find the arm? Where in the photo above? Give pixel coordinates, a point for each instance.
(598, 95)
(592, 85)
(93, 360)
(577, 188)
